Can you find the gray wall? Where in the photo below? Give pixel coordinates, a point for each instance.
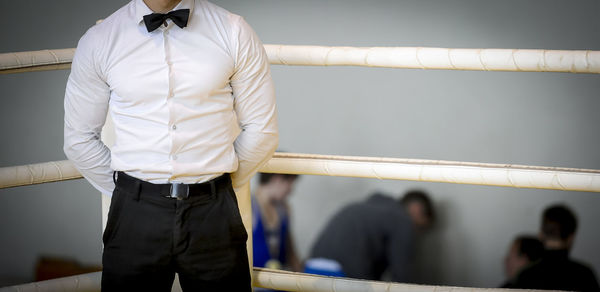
(548, 119)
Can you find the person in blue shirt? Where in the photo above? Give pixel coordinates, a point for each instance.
(271, 237)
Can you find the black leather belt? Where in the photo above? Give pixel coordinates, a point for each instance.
(179, 191)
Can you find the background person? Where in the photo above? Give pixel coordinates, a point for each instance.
(366, 239)
(523, 251)
(272, 243)
(556, 270)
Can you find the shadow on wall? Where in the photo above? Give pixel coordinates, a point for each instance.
(430, 247)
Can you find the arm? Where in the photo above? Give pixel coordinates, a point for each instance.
(86, 104)
(293, 262)
(400, 248)
(254, 104)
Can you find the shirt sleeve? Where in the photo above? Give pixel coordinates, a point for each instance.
(86, 105)
(400, 247)
(254, 104)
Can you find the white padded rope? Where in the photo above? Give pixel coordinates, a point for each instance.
(572, 61)
(289, 281)
(264, 278)
(508, 175)
(36, 60)
(79, 283)
(38, 173)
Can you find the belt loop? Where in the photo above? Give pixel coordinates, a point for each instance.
(137, 189)
(213, 188)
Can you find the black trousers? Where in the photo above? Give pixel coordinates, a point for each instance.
(149, 237)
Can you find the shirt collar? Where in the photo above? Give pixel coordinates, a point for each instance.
(142, 9)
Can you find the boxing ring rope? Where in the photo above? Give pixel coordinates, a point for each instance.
(84, 283)
(263, 278)
(573, 61)
(38, 173)
(290, 281)
(36, 61)
(438, 58)
(519, 176)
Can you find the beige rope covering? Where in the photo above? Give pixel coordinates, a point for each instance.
(438, 58)
(508, 175)
(288, 281)
(36, 61)
(271, 279)
(37, 173)
(391, 57)
(80, 283)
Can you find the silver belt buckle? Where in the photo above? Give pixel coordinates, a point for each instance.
(179, 191)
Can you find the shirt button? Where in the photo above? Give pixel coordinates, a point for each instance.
(174, 127)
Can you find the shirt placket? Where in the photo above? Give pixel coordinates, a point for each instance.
(171, 98)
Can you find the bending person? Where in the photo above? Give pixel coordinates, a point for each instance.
(367, 238)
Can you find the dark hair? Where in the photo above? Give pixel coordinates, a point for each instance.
(265, 178)
(530, 247)
(422, 198)
(558, 222)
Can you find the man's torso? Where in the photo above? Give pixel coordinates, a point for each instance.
(171, 102)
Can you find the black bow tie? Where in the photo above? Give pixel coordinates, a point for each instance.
(154, 20)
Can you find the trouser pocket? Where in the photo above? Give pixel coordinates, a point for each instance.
(114, 212)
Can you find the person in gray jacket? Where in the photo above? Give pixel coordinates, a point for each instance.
(367, 238)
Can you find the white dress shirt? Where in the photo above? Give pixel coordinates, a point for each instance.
(188, 104)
